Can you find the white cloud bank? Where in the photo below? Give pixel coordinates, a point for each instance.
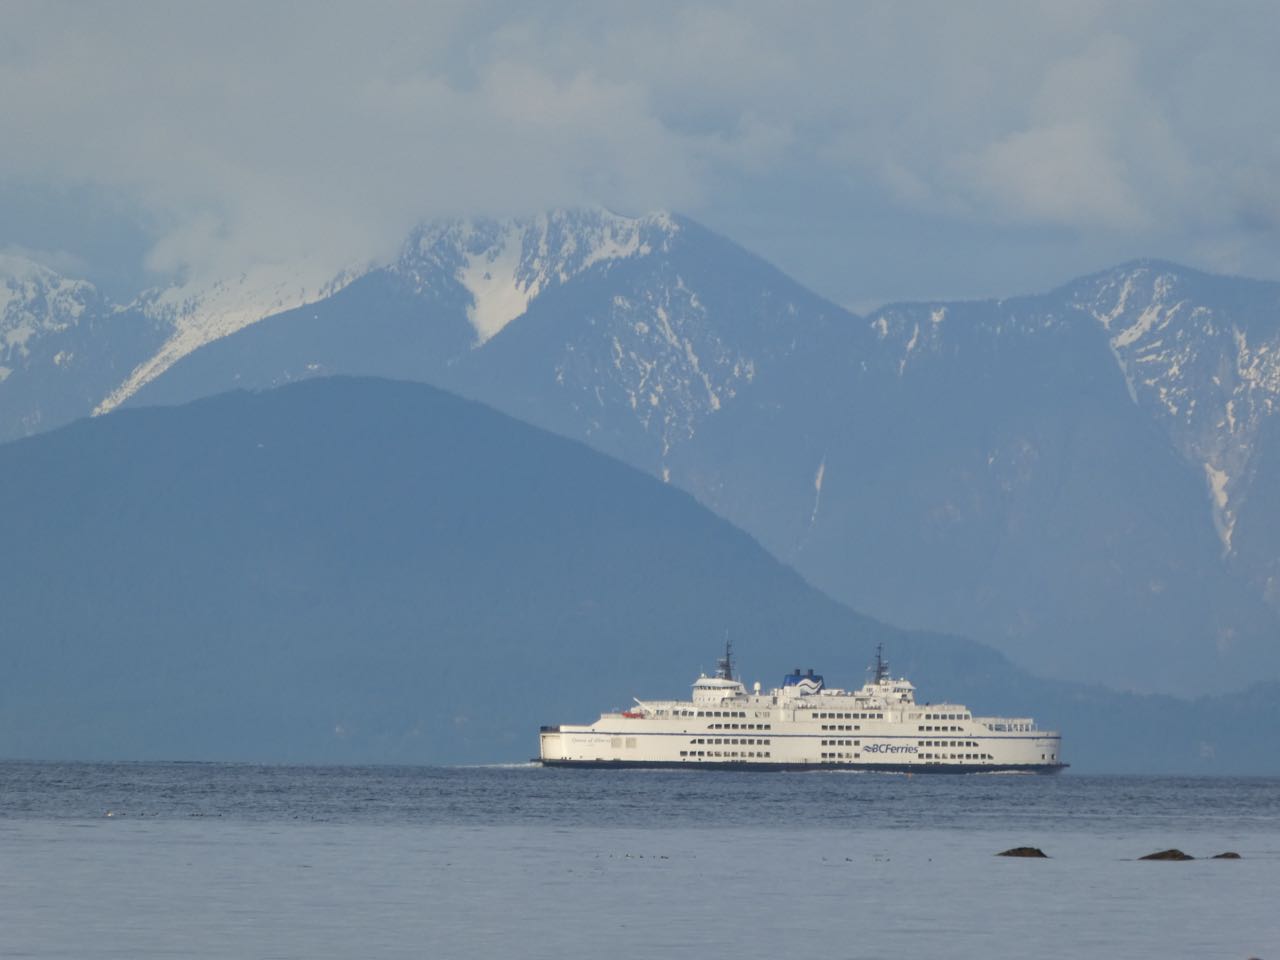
(248, 133)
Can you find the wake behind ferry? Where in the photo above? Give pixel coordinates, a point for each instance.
(804, 725)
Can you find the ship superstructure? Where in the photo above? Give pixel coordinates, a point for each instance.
(804, 725)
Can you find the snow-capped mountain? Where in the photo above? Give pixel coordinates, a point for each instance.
(1075, 477)
(627, 331)
(36, 301)
(62, 345)
(505, 265)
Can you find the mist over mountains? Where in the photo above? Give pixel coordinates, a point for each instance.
(370, 571)
(1081, 478)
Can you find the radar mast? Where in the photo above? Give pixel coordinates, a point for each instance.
(724, 666)
(881, 666)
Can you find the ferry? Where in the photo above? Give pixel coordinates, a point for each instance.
(804, 725)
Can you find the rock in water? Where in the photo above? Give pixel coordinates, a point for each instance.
(1229, 855)
(1023, 852)
(1171, 854)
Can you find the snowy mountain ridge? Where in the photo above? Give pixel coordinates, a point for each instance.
(36, 301)
(1209, 377)
(199, 314)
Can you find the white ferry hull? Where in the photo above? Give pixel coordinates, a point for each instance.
(802, 726)
(628, 747)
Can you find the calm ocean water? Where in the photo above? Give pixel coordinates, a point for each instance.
(214, 860)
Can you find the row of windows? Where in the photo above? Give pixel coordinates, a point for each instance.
(947, 716)
(841, 726)
(730, 740)
(930, 729)
(956, 756)
(837, 756)
(946, 743)
(739, 726)
(842, 743)
(710, 713)
(726, 753)
(849, 716)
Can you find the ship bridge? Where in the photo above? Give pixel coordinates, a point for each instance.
(717, 689)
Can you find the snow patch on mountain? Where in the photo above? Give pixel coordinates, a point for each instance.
(197, 315)
(1224, 518)
(497, 294)
(817, 491)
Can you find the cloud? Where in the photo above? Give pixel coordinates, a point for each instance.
(247, 133)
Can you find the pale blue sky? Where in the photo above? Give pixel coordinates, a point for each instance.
(875, 151)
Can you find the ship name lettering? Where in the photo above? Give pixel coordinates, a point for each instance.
(888, 748)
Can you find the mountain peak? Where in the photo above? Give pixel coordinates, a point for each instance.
(504, 264)
(34, 300)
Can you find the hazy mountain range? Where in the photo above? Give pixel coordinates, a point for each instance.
(1078, 478)
(364, 570)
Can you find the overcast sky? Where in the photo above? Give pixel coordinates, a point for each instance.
(875, 151)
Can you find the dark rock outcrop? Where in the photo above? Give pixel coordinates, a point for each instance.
(1023, 852)
(1229, 855)
(1171, 854)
